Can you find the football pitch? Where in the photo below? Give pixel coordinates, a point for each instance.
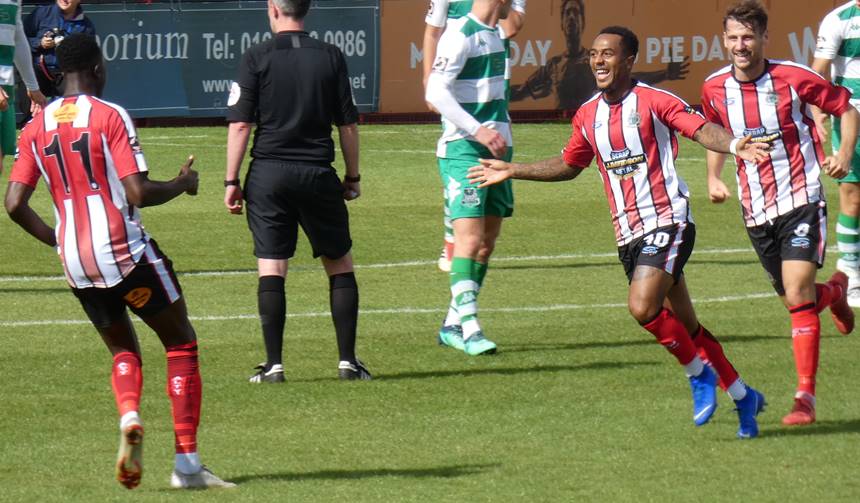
(580, 403)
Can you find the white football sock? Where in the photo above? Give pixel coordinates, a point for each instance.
(188, 463)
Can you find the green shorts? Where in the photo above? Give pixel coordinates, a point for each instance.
(8, 135)
(466, 200)
(854, 174)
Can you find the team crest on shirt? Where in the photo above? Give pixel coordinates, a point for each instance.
(762, 135)
(138, 297)
(470, 199)
(634, 120)
(623, 164)
(771, 98)
(66, 113)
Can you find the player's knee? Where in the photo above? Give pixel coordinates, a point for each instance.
(642, 310)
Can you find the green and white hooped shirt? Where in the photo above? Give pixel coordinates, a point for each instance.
(470, 66)
(839, 41)
(10, 12)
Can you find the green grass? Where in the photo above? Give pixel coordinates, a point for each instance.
(580, 404)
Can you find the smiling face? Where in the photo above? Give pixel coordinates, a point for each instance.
(745, 47)
(610, 65)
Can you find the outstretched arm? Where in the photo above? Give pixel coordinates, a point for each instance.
(718, 139)
(491, 171)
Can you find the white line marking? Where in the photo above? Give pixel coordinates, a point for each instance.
(408, 310)
(409, 263)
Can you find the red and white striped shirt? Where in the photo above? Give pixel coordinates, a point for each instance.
(82, 147)
(774, 109)
(635, 145)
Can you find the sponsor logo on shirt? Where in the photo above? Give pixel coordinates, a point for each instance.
(440, 64)
(623, 164)
(762, 135)
(66, 113)
(138, 297)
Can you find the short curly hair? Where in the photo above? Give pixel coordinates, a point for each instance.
(78, 52)
(750, 13)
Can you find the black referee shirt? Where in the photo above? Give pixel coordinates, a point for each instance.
(294, 87)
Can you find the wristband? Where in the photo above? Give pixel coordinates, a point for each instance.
(228, 183)
(733, 146)
(351, 179)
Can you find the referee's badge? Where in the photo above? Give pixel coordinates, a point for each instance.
(235, 93)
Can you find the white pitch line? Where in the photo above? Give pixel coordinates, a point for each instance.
(407, 311)
(408, 263)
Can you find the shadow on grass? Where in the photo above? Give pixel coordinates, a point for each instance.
(725, 262)
(512, 370)
(35, 290)
(817, 428)
(443, 472)
(645, 341)
(578, 265)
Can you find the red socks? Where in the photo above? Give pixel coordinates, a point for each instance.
(806, 337)
(185, 390)
(711, 352)
(670, 332)
(127, 382)
(824, 296)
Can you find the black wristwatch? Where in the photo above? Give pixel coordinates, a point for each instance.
(228, 183)
(351, 179)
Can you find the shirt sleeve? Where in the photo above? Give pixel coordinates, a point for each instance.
(677, 113)
(829, 37)
(708, 109)
(815, 89)
(242, 102)
(519, 6)
(124, 145)
(25, 170)
(450, 60)
(578, 153)
(346, 111)
(437, 14)
(23, 58)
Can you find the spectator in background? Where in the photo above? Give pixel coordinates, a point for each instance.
(46, 26)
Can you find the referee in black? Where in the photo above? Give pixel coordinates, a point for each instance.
(294, 87)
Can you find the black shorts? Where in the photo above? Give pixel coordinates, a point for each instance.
(280, 196)
(667, 248)
(148, 289)
(800, 234)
